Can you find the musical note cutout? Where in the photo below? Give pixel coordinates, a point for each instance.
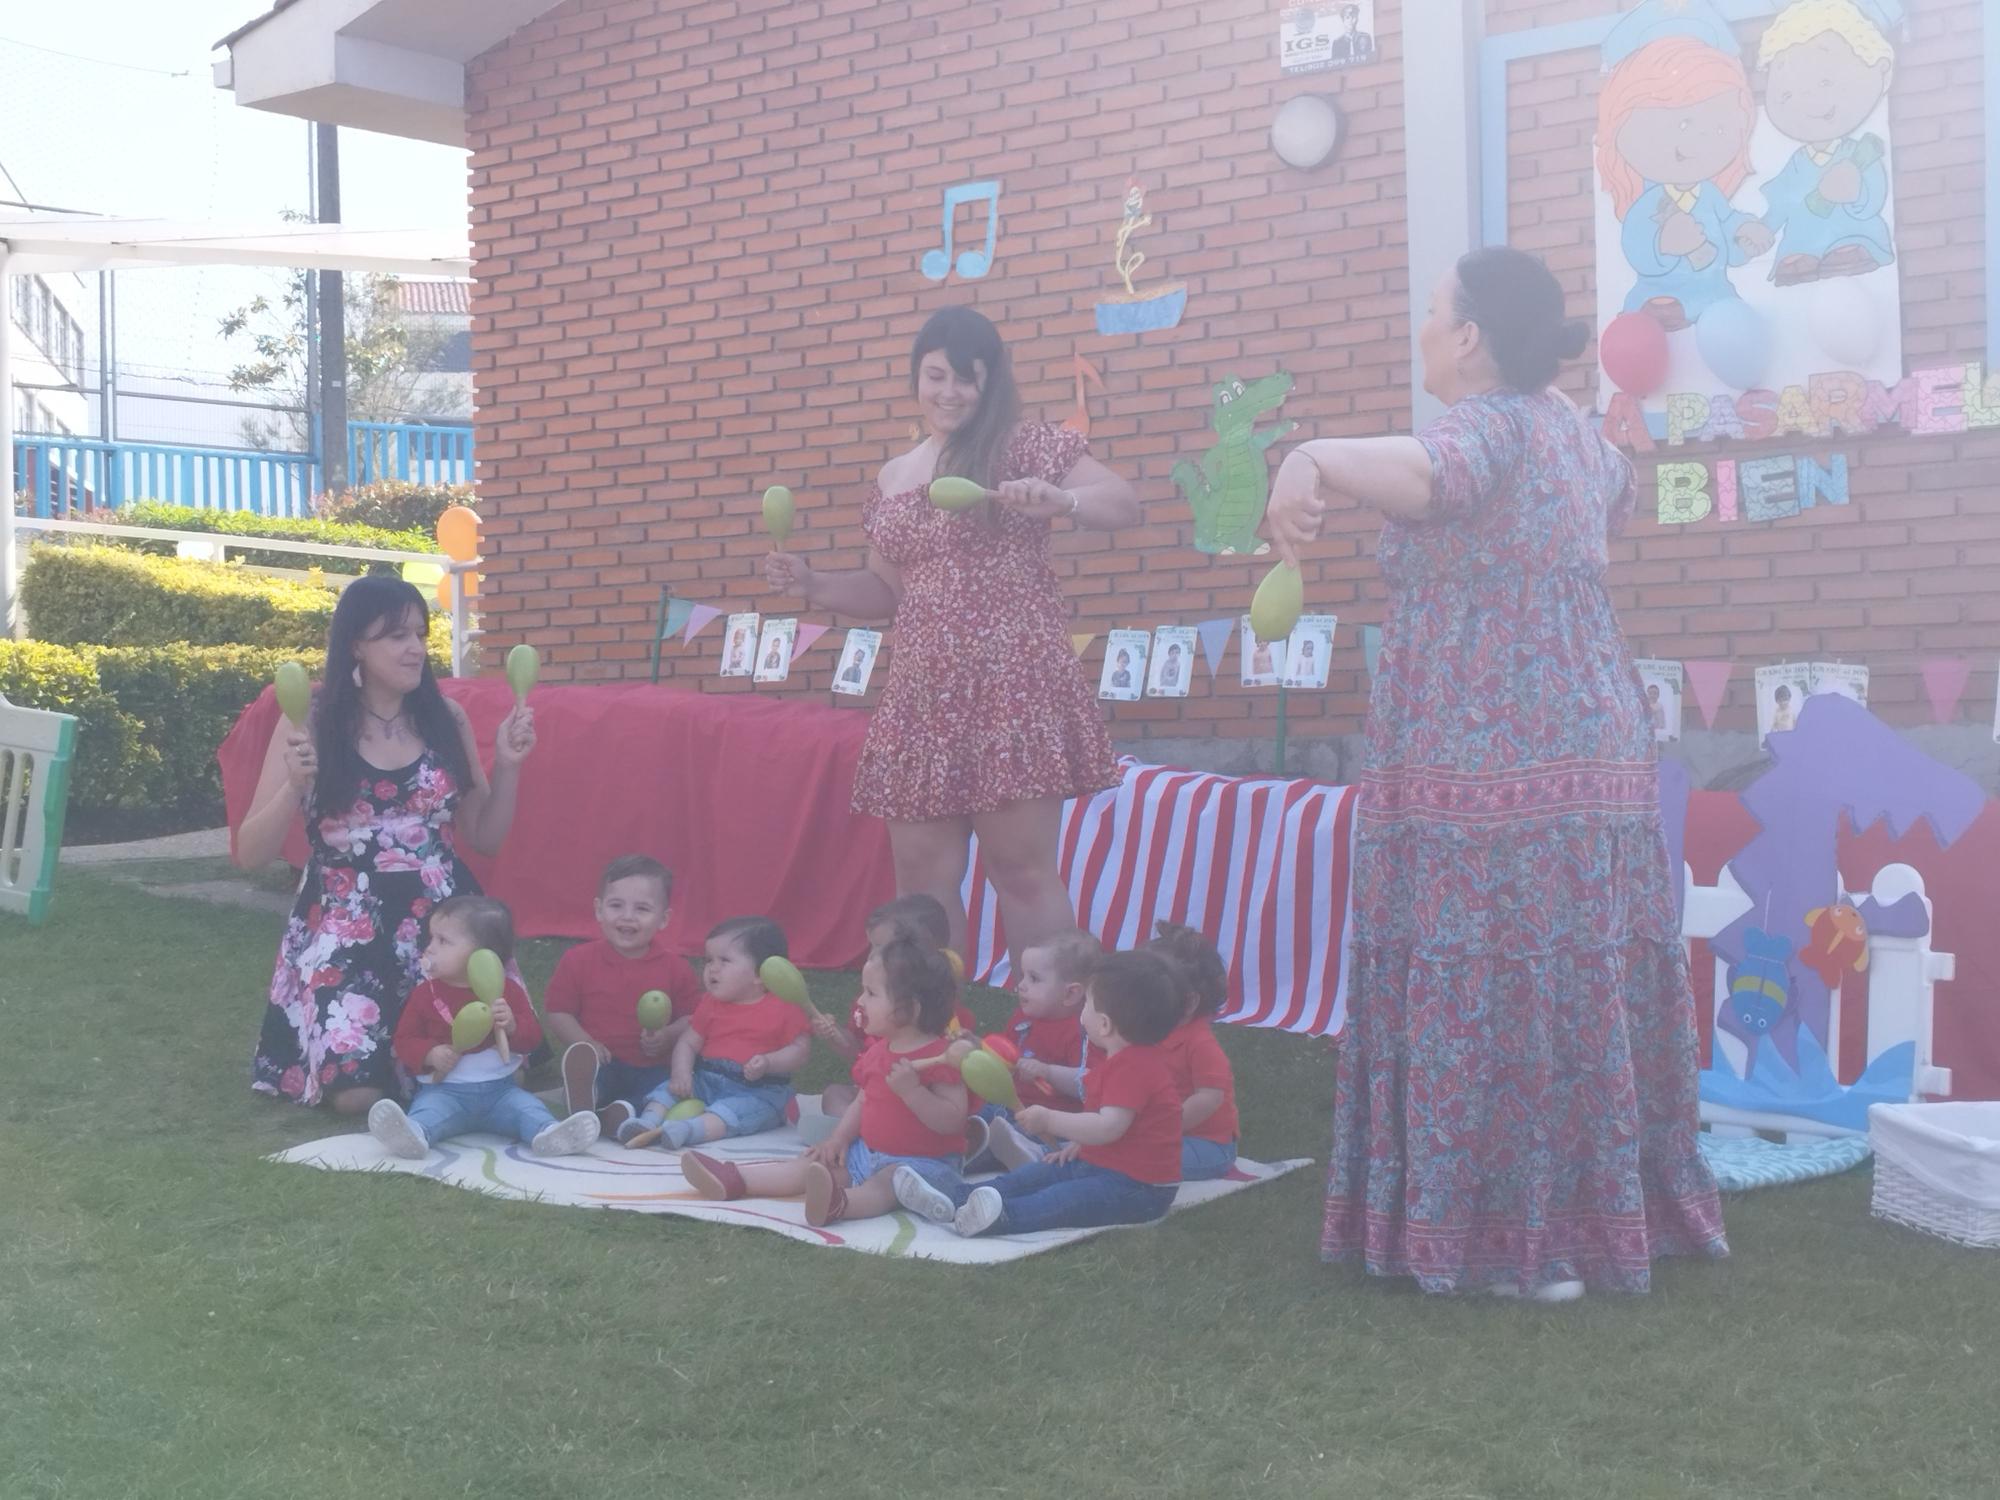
(1078, 421)
(972, 264)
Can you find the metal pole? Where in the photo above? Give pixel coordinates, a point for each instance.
(107, 352)
(6, 447)
(332, 324)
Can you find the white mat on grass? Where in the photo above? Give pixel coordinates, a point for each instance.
(650, 1182)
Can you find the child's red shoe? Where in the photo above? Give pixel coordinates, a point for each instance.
(712, 1177)
(826, 1199)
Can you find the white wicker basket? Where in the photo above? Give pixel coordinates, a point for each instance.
(1937, 1168)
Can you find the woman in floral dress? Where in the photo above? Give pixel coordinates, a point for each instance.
(389, 780)
(986, 723)
(1515, 1105)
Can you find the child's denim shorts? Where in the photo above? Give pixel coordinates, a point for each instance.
(862, 1164)
(746, 1108)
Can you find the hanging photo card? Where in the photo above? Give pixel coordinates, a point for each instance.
(1329, 34)
(774, 650)
(857, 662)
(1849, 679)
(1173, 662)
(1781, 692)
(1263, 662)
(1124, 665)
(1307, 651)
(739, 646)
(1662, 681)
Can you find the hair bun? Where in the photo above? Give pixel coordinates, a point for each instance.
(1569, 339)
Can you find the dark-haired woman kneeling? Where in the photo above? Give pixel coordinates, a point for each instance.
(388, 778)
(1515, 1104)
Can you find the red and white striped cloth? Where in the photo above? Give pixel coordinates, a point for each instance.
(1260, 864)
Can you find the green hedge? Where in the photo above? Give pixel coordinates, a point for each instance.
(249, 524)
(396, 505)
(100, 596)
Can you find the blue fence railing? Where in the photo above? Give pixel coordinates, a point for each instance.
(63, 474)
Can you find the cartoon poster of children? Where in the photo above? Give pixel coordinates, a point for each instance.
(1263, 662)
(739, 646)
(857, 662)
(1661, 681)
(774, 650)
(1781, 692)
(1750, 170)
(1173, 662)
(1124, 674)
(1308, 650)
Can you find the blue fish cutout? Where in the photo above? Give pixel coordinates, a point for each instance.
(1761, 984)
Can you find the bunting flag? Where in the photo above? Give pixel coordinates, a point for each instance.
(1710, 680)
(700, 617)
(1944, 682)
(808, 633)
(1215, 636)
(679, 611)
(1080, 642)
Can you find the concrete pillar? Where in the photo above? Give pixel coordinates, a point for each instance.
(1440, 154)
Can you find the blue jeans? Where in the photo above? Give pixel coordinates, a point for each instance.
(863, 1164)
(1203, 1159)
(444, 1110)
(746, 1108)
(1075, 1195)
(626, 1081)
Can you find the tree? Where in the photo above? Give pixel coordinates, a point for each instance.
(387, 359)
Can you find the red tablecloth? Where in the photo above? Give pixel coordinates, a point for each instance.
(744, 798)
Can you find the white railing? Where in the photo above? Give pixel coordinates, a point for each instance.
(214, 546)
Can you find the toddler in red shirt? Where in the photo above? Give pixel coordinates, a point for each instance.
(1121, 1161)
(1047, 1030)
(908, 1115)
(609, 1061)
(1196, 1059)
(476, 1089)
(740, 1048)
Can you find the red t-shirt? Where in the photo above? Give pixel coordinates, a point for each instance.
(1196, 1060)
(1057, 1041)
(1136, 1078)
(737, 1033)
(601, 987)
(888, 1124)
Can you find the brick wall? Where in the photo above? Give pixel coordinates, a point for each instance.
(697, 230)
(1911, 567)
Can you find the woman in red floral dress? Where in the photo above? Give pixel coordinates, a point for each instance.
(986, 724)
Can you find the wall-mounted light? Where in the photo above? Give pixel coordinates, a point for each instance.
(1306, 131)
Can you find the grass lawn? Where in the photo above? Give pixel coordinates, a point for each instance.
(179, 1318)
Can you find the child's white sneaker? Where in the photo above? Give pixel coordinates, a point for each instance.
(566, 1137)
(1007, 1144)
(1549, 1292)
(398, 1134)
(978, 1213)
(920, 1198)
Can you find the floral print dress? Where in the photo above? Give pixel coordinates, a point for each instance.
(985, 703)
(1516, 1096)
(351, 949)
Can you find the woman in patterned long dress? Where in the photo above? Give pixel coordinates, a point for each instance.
(389, 781)
(986, 723)
(1515, 1104)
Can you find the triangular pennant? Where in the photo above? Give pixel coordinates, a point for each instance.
(1371, 645)
(678, 613)
(1710, 680)
(699, 619)
(1944, 682)
(1214, 641)
(806, 636)
(1080, 641)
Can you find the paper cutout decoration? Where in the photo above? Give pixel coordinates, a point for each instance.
(1214, 642)
(807, 635)
(1661, 683)
(972, 264)
(1262, 663)
(1124, 674)
(1781, 692)
(1080, 641)
(1318, 38)
(1308, 650)
(1078, 421)
(1229, 491)
(1371, 647)
(1134, 311)
(1760, 985)
(1710, 681)
(1836, 942)
(739, 646)
(699, 619)
(1944, 685)
(1848, 679)
(679, 612)
(774, 650)
(857, 662)
(1172, 667)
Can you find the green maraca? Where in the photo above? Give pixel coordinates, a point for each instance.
(687, 1109)
(987, 1076)
(953, 493)
(778, 512)
(294, 692)
(524, 666)
(488, 978)
(1278, 602)
(782, 978)
(655, 1009)
(471, 1026)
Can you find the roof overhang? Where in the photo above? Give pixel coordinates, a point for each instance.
(41, 243)
(393, 66)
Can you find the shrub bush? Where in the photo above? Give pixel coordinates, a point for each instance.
(396, 505)
(248, 524)
(34, 674)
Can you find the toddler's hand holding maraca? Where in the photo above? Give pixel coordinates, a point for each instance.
(826, 1029)
(503, 1015)
(1032, 1070)
(440, 1060)
(680, 1084)
(1032, 1118)
(651, 1042)
(756, 1068)
(960, 1050)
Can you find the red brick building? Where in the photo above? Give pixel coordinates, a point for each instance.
(698, 229)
